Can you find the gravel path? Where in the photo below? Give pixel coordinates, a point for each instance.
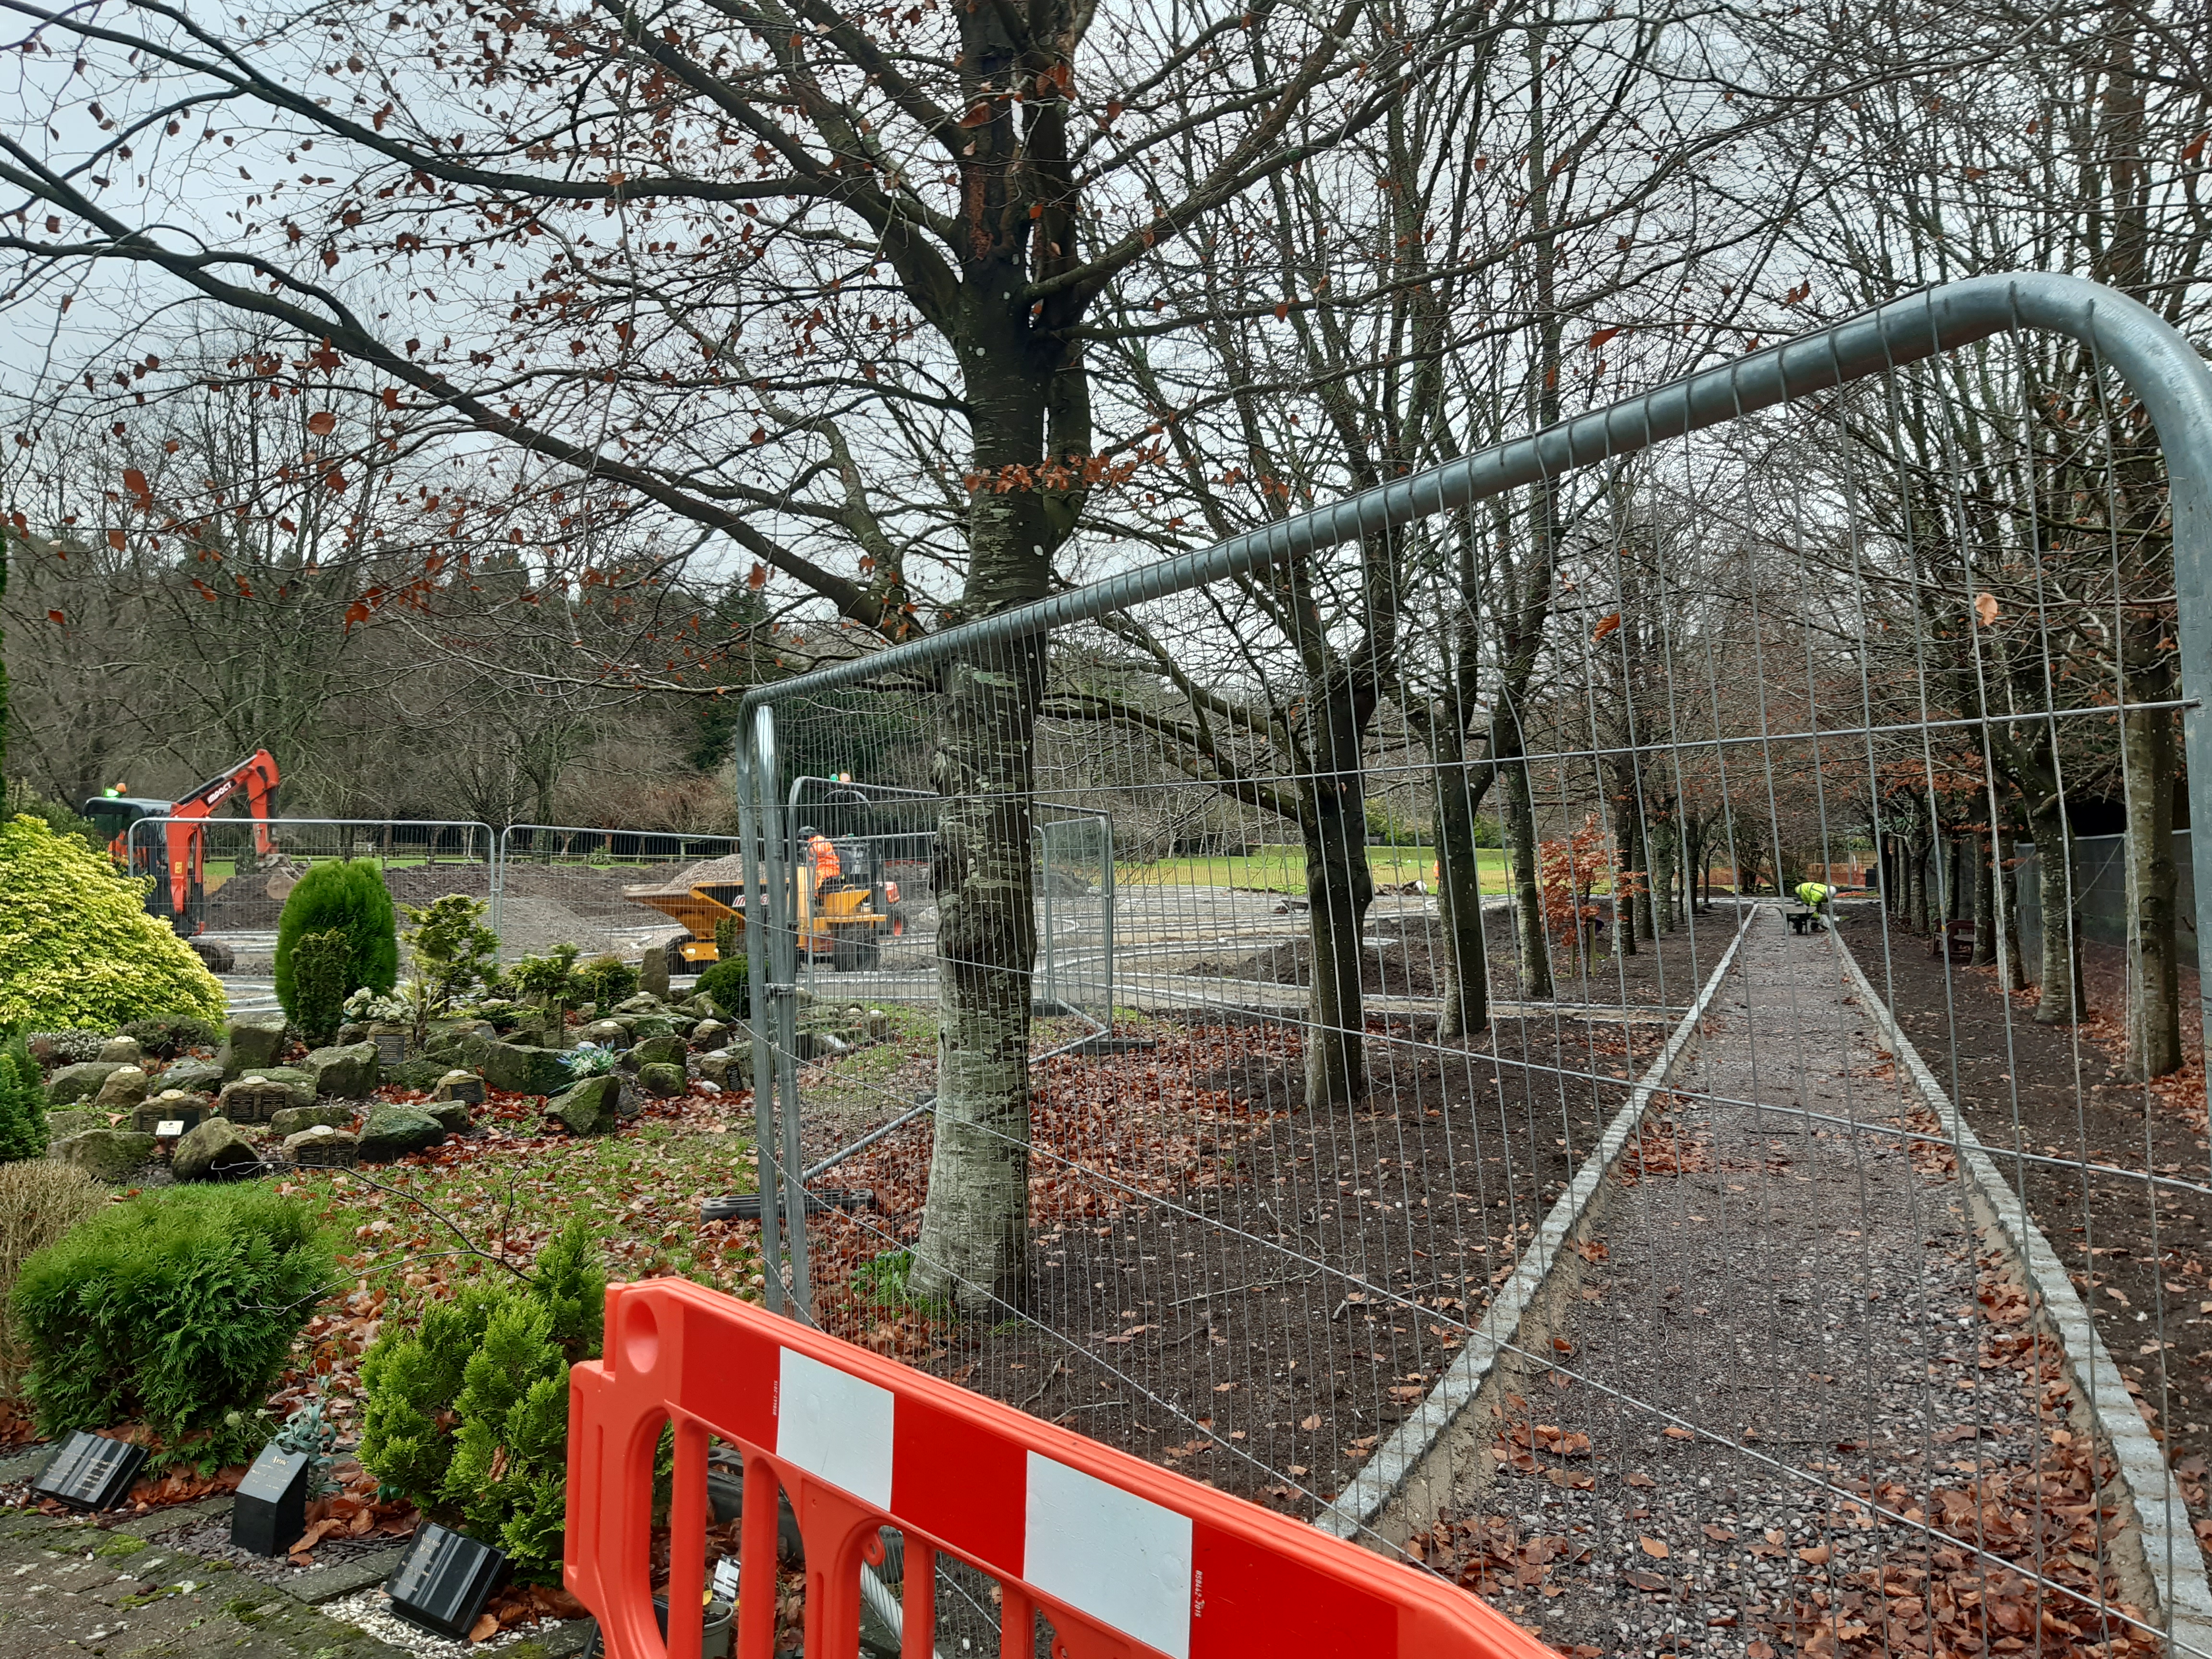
(1782, 1326)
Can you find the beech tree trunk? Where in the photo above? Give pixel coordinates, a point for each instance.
(1459, 888)
(1340, 886)
(2062, 1001)
(2147, 736)
(1978, 847)
(1527, 891)
(973, 1246)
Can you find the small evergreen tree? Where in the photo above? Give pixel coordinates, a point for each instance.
(348, 897)
(468, 1415)
(22, 1103)
(320, 962)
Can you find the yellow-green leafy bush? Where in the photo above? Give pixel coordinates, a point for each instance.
(76, 946)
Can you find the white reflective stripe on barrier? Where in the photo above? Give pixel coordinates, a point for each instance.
(1122, 1559)
(835, 1426)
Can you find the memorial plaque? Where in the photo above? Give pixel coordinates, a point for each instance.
(463, 1086)
(253, 1100)
(90, 1472)
(442, 1583)
(390, 1046)
(270, 1512)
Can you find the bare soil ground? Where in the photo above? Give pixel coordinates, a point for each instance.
(2113, 1172)
(1228, 1283)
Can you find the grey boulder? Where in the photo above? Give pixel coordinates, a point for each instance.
(588, 1107)
(105, 1154)
(122, 1050)
(515, 1068)
(662, 1080)
(125, 1087)
(393, 1132)
(291, 1120)
(80, 1082)
(194, 1077)
(350, 1071)
(454, 1113)
(667, 1050)
(252, 1043)
(727, 1068)
(215, 1151)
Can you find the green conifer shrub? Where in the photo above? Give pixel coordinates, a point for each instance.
(175, 1310)
(348, 897)
(729, 985)
(606, 981)
(320, 965)
(76, 946)
(22, 1102)
(467, 1415)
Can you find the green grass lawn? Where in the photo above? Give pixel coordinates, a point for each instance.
(641, 1187)
(1283, 869)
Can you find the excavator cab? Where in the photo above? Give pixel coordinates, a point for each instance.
(175, 856)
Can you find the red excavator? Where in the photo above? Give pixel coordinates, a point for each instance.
(182, 896)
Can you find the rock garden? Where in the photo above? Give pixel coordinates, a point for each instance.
(374, 1227)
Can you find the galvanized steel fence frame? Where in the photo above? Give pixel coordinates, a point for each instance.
(2149, 358)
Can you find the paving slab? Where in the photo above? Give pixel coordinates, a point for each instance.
(68, 1586)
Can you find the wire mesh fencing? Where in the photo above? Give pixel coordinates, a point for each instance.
(224, 880)
(613, 891)
(1576, 1108)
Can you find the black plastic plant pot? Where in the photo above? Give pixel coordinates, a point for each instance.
(90, 1472)
(271, 1509)
(444, 1580)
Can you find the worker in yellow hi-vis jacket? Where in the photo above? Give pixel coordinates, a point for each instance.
(1814, 897)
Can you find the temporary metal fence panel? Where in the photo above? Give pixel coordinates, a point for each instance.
(596, 888)
(1682, 1266)
(886, 834)
(244, 880)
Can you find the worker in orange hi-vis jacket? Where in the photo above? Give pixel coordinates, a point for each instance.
(827, 869)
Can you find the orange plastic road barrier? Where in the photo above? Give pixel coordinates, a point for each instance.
(1125, 1559)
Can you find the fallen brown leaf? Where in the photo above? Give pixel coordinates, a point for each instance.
(1655, 1548)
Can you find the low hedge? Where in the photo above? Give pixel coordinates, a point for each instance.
(175, 1310)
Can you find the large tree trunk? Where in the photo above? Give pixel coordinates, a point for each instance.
(1627, 903)
(2062, 1001)
(973, 1243)
(2153, 967)
(973, 1247)
(1527, 891)
(1459, 888)
(2012, 971)
(1915, 881)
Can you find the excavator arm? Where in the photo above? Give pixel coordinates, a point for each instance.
(179, 889)
(256, 775)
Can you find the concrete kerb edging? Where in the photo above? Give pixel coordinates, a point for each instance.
(1361, 1505)
(2172, 1566)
